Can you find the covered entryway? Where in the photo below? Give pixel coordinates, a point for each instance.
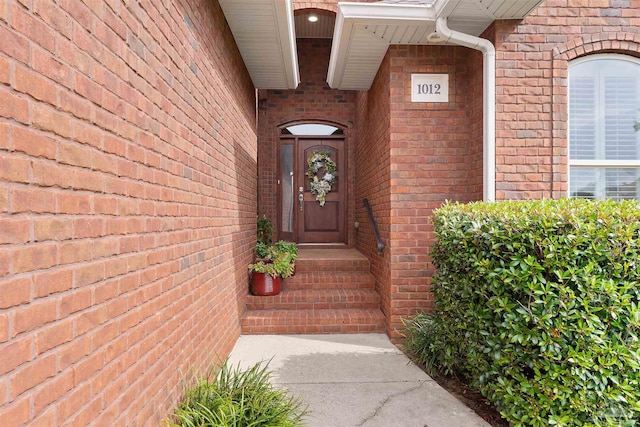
(402, 153)
(304, 218)
(333, 290)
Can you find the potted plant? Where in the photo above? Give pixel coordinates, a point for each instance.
(290, 249)
(272, 261)
(265, 230)
(270, 266)
(264, 279)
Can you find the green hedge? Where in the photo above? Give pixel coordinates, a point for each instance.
(537, 305)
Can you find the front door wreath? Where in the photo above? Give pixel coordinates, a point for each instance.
(321, 186)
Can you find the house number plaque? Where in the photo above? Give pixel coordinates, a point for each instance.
(430, 88)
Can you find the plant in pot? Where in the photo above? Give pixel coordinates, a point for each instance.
(265, 230)
(290, 250)
(270, 266)
(272, 261)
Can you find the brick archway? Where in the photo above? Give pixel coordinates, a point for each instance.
(321, 5)
(331, 5)
(621, 43)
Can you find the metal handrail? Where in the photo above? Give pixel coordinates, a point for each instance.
(374, 224)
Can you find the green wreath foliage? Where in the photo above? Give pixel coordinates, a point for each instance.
(321, 160)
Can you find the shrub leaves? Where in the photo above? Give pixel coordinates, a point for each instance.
(537, 305)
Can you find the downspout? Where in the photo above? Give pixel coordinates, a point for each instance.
(488, 104)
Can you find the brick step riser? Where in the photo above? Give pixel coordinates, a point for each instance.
(312, 329)
(322, 295)
(312, 305)
(313, 322)
(316, 300)
(307, 265)
(315, 280)
(328, 286)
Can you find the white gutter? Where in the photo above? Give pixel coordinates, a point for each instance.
(288, 42)
(488, 104)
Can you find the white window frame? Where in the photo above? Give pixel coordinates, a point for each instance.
(600, 163)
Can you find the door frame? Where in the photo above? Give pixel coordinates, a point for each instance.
(294, 139)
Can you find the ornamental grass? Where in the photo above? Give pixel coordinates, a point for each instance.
(238, 398)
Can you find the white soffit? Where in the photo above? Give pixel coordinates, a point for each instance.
(264, 31)
(364, 31)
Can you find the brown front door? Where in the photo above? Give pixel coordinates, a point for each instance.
(315, 223)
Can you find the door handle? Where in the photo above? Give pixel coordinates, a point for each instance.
(301, 197)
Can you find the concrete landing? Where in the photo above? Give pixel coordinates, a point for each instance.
(355, 380)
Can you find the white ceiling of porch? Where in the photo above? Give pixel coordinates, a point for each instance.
(364, 31)
(265, 32)
(474, 16)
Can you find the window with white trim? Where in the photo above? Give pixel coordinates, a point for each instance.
(604, 116)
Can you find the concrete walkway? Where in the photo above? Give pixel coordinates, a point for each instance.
(354, 380)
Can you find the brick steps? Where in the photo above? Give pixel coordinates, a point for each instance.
(316, 299)
(330, 280)
(332, 292)
(325, 321)
(332, 263)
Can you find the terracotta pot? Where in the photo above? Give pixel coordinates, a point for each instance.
(263, 284)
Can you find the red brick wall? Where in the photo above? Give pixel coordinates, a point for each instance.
(411, 157)
(373, 171)
(127, 205)
(433, 155)
(532, 60)
(313, 100)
